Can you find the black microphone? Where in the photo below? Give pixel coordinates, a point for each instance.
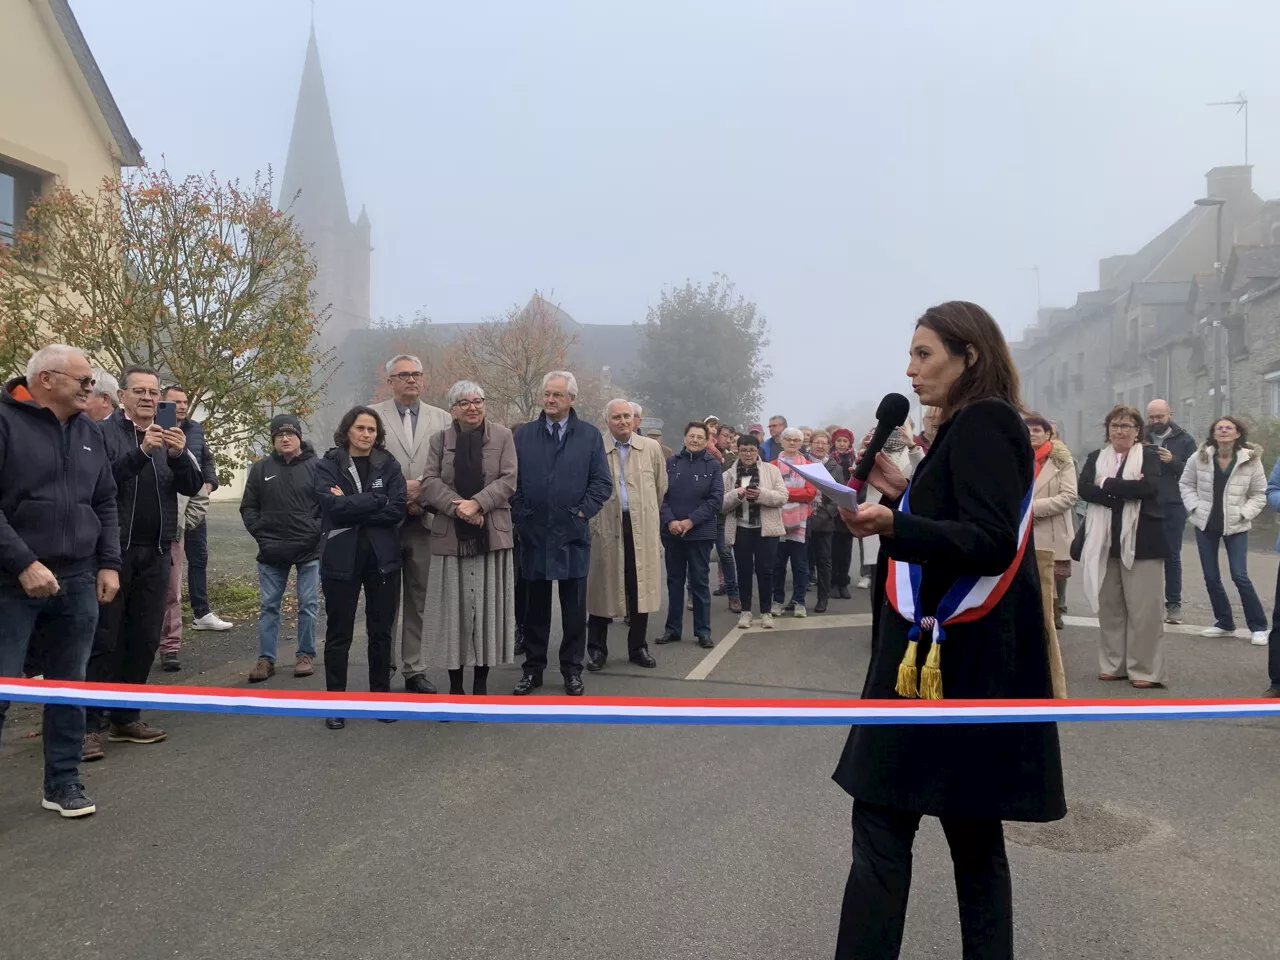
(890, 415)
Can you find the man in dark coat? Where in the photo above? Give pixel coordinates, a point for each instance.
(152, 466)
(1175, 447)
(562, 483)
(195, 545)
(282, 513)
(59, 546)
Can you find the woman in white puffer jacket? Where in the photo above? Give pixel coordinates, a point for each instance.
(1223, 488)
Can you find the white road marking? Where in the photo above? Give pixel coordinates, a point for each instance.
(780, 625)
(1189, 629)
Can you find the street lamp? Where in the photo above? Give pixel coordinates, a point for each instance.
(1217, 323)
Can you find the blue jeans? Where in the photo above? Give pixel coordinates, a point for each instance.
(798, 554)
(66, 623)
(691, 560)
(272, 581)
(728, 562)
(1237, 562)
(197, 550)
(1175, 522)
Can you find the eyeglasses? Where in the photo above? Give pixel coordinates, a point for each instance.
(468, 404)
(86, 383)
(1122, 426)
(407, 375)
(144, 392)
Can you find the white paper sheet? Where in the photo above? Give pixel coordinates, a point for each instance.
(817, 474)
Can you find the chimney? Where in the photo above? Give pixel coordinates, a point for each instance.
(1230, 183)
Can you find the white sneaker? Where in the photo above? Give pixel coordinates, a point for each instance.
(1259, 638)
(864, 583)
(1215, 632)
(800, 611)
(744, 621)
(211, 621)
(766, 621)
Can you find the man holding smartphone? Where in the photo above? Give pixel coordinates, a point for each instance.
(152, 467)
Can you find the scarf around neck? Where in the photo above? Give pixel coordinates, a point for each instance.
(749, 510)
(1042, 454)
(1097, 521)
(468, 480)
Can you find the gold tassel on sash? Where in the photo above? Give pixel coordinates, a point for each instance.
(931, 675)
(907, 673)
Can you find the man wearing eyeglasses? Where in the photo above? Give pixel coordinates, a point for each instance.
(410, 424)
(59, 546)
(152, 467)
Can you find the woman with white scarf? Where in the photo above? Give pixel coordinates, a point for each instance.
(1123, 552)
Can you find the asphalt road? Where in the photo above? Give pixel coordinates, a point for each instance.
(247, 837)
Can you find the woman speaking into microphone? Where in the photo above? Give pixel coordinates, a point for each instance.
(960, 618)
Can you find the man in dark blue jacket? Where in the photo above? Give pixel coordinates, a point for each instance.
(59, 546)
(152, 466)
(562, 483)
(195, 545)
(1175, 447)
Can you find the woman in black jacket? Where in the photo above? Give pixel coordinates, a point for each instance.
(963, 525)
(362, 496)
(1122, 551)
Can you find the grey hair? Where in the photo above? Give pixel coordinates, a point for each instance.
(105, 384)
(778, 416)
(50, 358)
(792, 433)
(460, 390)
(636, 409)
(815, 434)
(402, 356)
(571, 382)
(619, 400)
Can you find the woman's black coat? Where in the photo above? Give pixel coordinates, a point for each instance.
(1151, 542)
(377, 510)
(966, 497)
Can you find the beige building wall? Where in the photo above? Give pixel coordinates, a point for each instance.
(49, 122)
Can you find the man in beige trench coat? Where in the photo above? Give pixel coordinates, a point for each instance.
(625, 577)
(410, 424)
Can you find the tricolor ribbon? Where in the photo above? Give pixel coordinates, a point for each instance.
(639, 710)
(970, 598)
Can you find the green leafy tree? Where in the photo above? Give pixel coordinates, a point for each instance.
(702, 354)
(205, 281)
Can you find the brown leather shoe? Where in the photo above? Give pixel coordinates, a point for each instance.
(138, 731)
(92, 749)
(303, 666)
(264, 668)
(1271, 692)
(735, 605)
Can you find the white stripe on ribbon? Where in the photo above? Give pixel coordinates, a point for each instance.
(633, 710)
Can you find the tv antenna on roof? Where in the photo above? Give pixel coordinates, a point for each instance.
(1241, 103)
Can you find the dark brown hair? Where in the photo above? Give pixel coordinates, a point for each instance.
(1124, 410)
(1234, 421)
(706, 432)
(348, 420)
(141, 369)
(991, 374)
(1034, 419)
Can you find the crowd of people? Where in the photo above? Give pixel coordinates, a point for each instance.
(454, 528)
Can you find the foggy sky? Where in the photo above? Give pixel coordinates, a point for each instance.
(847, 164)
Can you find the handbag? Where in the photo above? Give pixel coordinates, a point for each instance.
(1077, 543)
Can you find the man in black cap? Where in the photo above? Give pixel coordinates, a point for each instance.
(280, 510)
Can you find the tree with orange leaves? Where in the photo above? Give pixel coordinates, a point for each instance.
(204, 280)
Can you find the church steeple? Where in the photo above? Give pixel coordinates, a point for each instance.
(312, 171)
(312, 191)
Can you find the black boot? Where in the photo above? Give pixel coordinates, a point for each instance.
(821, 605)
(480, 682)
(456, 688)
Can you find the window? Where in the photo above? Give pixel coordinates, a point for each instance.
(1271, 393)
(1079, 437)
(1148, 394)
(18, 187)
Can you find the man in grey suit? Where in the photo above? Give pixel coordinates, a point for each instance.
(409, 425)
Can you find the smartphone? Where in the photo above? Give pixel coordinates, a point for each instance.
(167, 414)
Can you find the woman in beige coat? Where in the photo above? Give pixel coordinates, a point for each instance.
(754, 495)
(1053, 504)
(470, 612)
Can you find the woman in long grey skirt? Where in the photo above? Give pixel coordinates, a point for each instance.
(469, 616)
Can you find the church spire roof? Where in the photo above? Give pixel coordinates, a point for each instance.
(312, 171)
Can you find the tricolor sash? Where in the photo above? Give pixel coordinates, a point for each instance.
(970, 598)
